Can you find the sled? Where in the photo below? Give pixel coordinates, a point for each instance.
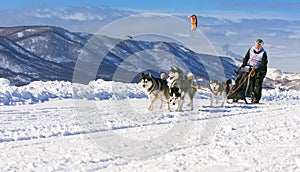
(243, 85)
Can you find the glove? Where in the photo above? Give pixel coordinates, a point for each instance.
(242, 69)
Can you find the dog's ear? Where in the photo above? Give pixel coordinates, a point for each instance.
(143, 74)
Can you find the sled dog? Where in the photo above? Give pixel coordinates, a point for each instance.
(184, 86)
(155, 88)
(219, 90)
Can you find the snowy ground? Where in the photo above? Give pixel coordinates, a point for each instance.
(93, 135)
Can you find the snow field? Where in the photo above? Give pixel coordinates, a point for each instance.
(74, 130)
(51, 136)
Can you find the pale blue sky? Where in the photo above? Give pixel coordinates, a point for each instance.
(254, 19)
(267, 8)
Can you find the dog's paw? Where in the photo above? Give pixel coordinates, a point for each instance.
(192, 108)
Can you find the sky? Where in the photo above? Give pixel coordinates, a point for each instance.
(240, 30)
(268, 8)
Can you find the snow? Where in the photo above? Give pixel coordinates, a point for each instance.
(39, 91)
(20, 34)
(104, 126)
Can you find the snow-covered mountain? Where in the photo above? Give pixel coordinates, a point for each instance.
(276, 78)
(37, 53)
(47, 53)
(30, 53)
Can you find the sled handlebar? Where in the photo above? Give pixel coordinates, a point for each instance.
(246, 68)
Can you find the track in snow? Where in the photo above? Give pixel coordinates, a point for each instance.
(60, 135)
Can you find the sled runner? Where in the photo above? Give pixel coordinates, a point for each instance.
(243, 84)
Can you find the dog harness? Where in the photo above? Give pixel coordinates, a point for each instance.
(174, 89)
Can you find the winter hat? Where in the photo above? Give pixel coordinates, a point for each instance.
(260, 42)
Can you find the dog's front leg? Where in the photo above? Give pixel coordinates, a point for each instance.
(168, 106)
(167, 103)
(224, 99)
(223, 102)
(211, 100)
(151, 101)
(181, 100)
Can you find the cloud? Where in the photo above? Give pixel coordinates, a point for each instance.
(271, 34)
(229, 33)
(267, 5)
(68, 14)
(297, 36)
(182, 35)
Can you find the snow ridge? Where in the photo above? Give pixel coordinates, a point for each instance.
(39, 91)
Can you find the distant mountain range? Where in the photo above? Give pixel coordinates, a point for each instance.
(276, 78)
(31, 53)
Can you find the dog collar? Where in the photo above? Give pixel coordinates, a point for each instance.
(174, 81)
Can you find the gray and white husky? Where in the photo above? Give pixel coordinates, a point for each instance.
(155, 88)
(219, 90)
(185, 86)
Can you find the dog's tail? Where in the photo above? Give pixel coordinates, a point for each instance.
(228, 83)
(163, 76)
(191, 78)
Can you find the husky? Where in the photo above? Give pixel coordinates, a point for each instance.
(185, 86)
(155, 88)
(219, 90)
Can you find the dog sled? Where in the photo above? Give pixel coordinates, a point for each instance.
(243, 85)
